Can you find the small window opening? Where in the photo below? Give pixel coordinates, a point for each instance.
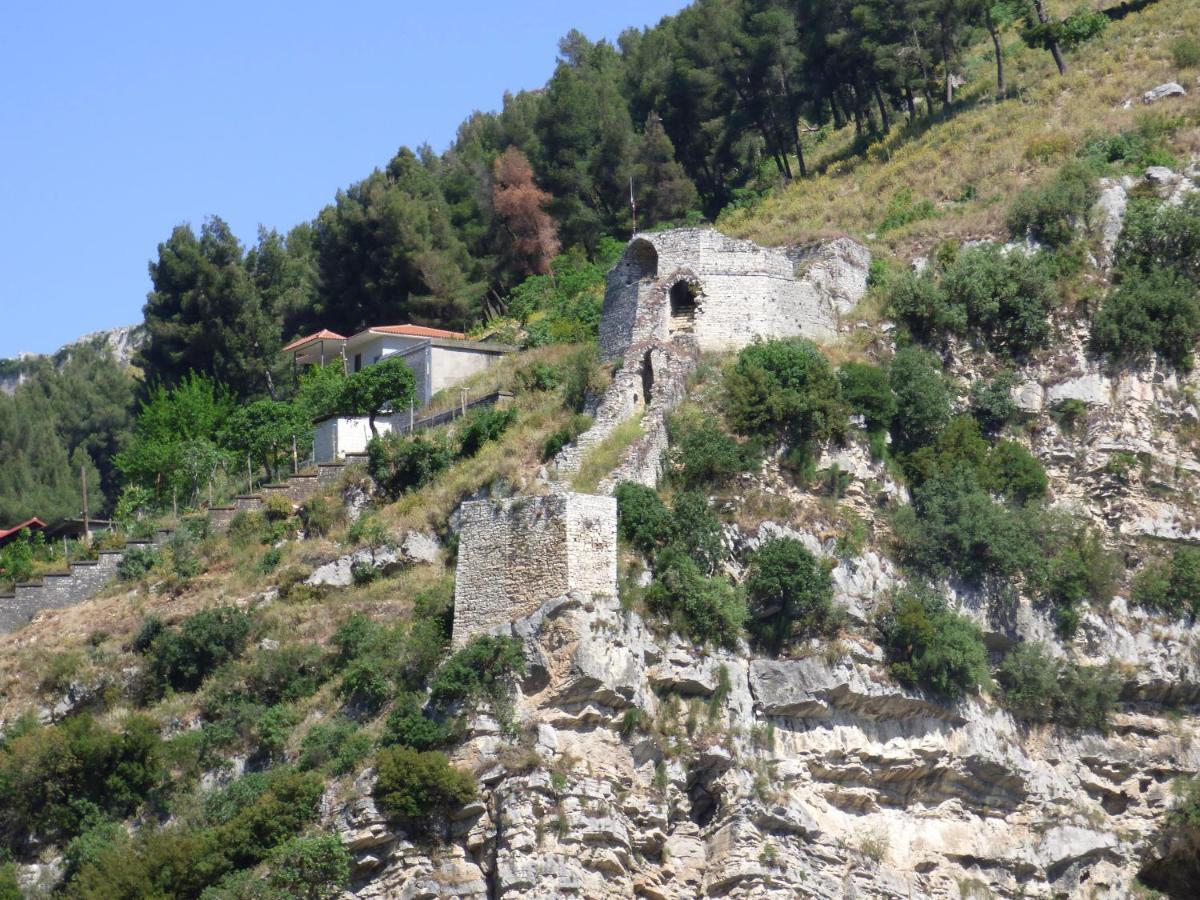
(647, 377)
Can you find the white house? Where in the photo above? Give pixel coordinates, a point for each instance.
(438, 358)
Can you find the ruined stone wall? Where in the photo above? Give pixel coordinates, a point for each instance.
(514, 555)
(744, 291)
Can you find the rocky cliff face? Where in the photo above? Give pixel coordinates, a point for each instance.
(636, 764)
(123, 341)
(644, 768)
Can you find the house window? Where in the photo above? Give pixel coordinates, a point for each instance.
(377, 359)
(357, 362)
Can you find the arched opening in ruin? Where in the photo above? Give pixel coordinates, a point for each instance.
(647, 377)
(683, 307)
(643, 260)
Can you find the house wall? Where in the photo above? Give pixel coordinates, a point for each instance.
(514, 555)
(416, 353)
(452, 365)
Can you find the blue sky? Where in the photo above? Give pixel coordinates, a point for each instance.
(120, 120)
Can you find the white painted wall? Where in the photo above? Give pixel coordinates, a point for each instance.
(450, 366)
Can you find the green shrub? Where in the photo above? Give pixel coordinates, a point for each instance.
(642, 518)
(1136, 149)
(696, 531)
(1000, 298)
(286, 674)
(930, 645)
(398, 463)
(483, 668)
(785, 390)
(581, 378)
(1049, 213)
(178, 861)
(10, 886)
(790, 594)
(96, 838)
(1079, 567)
(310, 868)
(706, 609)
(136, 562)
(1081, 26)
(335, 747)
(180, 659)
(922, 398)
(866, 390)
(367, 683)
(273, 728)
(578, 425)
(701, 454)
(1172, 586)
(1041, 689)
(319, 516)
(483, 426)
(418, 788)
(277, 508)
(954, 527)
(903, 210)
(1158, 312)
(992, 404)
(1185, 51)
(1015, 473)
(408, 725)
(1067, 414)
(55, 780)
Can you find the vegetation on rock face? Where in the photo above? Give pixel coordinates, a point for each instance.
(1000, 298)
(1173, 585)
(785, 391)
(420, 787)
(934, 647)
(790, 593)
(1155, 306)
(1038, 688)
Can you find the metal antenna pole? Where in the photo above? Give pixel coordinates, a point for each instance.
(632, 204)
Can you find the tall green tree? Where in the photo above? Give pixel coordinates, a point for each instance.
(664, 192)
(205, 313)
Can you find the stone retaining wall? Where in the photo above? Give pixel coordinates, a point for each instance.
(297, 489)
(56, 590)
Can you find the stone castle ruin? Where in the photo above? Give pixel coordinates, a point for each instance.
(672, 296)
(725, 292)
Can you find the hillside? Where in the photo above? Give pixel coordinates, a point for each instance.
(866, 567)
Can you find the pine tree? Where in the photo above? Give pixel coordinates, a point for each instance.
(664, 192)
(521, 205)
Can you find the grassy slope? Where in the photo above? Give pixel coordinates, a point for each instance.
(991, 148)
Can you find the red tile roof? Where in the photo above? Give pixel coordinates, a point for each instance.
(323, 335)
(419, 331)
(28, 523)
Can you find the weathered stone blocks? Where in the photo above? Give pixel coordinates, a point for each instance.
(726, 292)
(514, 555)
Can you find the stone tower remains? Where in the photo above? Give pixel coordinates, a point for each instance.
(725, 292)
(514, 555)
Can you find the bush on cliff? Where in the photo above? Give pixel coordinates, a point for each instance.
(706, 609)
(790, 593)
(933, 646)
(419, 788)
(1041, 689)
